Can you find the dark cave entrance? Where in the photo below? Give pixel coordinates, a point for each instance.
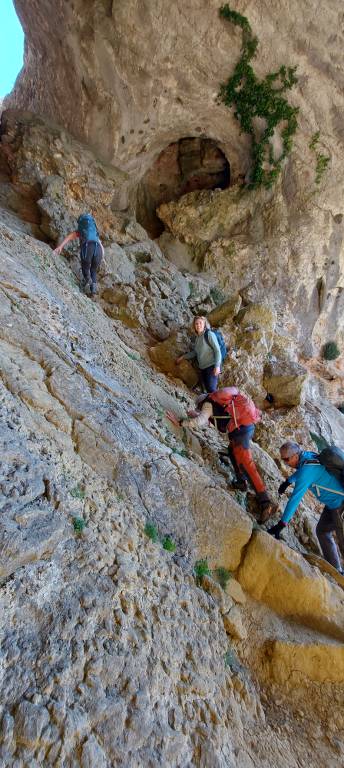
(184, 166)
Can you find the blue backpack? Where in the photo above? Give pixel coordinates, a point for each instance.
(220, 340)
(87, 228)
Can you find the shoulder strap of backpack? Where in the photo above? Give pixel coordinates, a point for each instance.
(206, 336)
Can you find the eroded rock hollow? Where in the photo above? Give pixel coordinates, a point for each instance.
(184, 166)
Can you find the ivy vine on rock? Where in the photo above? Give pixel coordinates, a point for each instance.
(321, 160)
(254, 98)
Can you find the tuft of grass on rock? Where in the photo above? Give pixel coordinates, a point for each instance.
(78, 525)
(168, 544)
(201, 569)
(330, 350)
(77, 493)
(152, 532)
(223, 576)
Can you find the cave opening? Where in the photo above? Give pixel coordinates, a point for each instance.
(184, 166)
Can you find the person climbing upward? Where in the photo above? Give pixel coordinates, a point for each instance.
(235, 414)
(91, 250)
(312, 475)
(207, 352)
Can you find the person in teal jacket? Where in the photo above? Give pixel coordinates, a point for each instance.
(207, 353)
(311, 475)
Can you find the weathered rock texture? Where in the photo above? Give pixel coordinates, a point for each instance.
(111, 654)
(133, 78)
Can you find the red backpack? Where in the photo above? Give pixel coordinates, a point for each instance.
(239, 407)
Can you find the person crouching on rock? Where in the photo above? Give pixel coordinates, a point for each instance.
(313, 476)
(236, 414)
(91, 250)
(207, 352)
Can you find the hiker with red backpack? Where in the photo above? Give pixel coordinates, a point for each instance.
(323, 475)
(235, 414)
(209, 351)
(91, 250)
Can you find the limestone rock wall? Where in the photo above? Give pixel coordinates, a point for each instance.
(111, 654)
(132, 78)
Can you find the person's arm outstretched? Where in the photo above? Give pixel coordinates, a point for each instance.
(198, 419)
(186, 356)
(68, 238)
(302, 479)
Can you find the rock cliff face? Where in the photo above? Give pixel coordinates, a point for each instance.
(111, 653)
(131, 79)
(115, 652)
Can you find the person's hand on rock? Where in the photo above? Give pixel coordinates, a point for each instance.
(173, 418)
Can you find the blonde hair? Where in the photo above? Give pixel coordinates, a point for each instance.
(207, 325)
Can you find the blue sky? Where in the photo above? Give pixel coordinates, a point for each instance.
(11, 46)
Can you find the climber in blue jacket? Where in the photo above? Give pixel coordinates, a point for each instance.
(311, 475)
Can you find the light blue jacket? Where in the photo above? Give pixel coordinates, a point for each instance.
(207, 354)
(314, 477)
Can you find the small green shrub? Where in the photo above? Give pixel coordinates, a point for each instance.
(168, 544)
(201, 569)
(152, 532)
(223, 576)
(330, 350)
(77, 493)
(78, 524)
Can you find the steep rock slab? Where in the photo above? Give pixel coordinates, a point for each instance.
(274, 574)
(292, 662)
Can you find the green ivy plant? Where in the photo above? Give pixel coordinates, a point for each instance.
(321, 160)
(260, 98)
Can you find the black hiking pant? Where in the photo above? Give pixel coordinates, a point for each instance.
(330, 522)
(91, 256)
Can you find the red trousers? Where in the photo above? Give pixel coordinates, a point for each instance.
(242, 459)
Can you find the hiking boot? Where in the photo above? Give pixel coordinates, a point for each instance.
(84, 283)
(238, 485)
(267, 510)
(93, 289)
